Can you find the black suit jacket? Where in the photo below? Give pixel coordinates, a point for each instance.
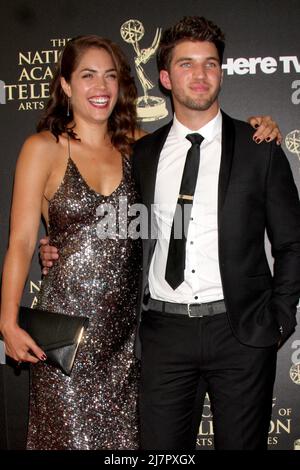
(256, 193)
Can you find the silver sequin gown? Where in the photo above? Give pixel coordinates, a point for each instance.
(96, 407)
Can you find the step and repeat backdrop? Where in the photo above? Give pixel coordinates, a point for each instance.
(261, 76)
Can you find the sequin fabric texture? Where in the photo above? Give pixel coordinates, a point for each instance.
(96, 407)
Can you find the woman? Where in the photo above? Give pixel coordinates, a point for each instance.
(77, 162)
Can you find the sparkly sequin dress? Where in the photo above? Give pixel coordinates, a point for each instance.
(96, 407)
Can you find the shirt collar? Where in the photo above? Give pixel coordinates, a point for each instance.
(209, 131)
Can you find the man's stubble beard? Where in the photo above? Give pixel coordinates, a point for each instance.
(200, 104)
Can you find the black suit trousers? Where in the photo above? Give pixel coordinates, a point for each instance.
(183, 359)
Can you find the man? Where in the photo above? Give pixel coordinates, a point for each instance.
(214, 327)
(212, 314)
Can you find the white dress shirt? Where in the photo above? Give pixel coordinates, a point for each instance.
(202, 280)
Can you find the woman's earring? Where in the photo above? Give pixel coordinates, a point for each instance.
(68, 107)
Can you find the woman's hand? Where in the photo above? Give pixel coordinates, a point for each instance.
(267, 129)
(20, 346)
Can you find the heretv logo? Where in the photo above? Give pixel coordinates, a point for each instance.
(267, 65)
(2, 92)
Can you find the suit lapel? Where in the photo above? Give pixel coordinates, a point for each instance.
(228, 139)
(148, 181)
(150, 164)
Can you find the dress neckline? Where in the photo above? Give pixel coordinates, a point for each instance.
(71, 161)
(88, 186)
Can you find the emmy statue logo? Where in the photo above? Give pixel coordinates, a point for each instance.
(292, 142)
(149, 108)
(295, 373)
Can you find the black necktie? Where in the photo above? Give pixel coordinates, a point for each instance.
(176, 254)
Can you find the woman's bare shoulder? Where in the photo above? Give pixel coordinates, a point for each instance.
(40, 141)
(42, 144)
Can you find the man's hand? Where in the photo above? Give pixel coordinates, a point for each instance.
(267, 129)
(48, 255)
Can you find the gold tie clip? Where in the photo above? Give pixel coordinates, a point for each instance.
(185, 196)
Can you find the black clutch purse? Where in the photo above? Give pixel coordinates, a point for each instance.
(57, 334)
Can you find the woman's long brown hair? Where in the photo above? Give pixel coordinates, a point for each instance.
(122, 122)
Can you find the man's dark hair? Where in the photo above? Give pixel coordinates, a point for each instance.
(190, 28)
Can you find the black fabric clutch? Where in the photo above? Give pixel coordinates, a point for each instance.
(57, 334)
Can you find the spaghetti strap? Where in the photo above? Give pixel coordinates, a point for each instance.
(73, 163)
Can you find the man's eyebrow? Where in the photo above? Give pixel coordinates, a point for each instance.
(182, 59)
